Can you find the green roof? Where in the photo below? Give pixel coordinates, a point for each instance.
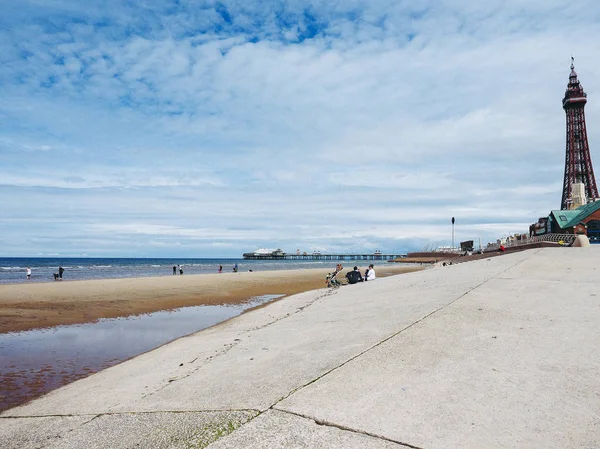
(569, 218)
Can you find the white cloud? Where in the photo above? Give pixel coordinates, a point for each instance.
(338, 124)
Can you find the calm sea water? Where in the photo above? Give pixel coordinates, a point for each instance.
(13, 269)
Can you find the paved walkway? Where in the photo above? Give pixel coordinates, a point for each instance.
(497, 353)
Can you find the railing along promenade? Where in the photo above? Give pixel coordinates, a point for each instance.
(324, 257)
(567, 239)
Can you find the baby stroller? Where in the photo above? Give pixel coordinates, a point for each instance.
(332, 281)
(330, 278)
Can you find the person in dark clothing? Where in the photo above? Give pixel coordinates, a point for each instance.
(354, 276)
(61, 270)
(174, 270)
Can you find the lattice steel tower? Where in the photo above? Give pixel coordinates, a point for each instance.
(578, 163)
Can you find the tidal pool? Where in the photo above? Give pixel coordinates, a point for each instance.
(37, 361)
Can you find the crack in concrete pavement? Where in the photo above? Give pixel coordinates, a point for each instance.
(375, 345)
(229, 346)
(320, 422)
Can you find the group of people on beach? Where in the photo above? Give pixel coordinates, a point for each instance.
(57, 276)
(179, 269)
(234, 268)
(353, 276)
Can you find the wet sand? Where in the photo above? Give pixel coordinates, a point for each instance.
(31, 306)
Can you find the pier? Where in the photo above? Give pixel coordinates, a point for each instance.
(375, 256)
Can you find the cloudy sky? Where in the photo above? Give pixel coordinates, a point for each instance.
(191, 128)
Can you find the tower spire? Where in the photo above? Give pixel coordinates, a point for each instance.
(573, 76)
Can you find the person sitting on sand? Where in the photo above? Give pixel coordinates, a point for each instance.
(370, 274)
(354, 276)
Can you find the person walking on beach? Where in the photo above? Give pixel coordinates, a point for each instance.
(220, 268)
(174, 270)
(235, 268)
(61, 270)
(28, 273)
(181, 269)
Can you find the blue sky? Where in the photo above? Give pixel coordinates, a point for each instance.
(206, 129)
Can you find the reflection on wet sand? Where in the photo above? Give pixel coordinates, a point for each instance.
(35, 362)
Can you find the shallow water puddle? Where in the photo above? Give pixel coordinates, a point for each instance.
(35, 362)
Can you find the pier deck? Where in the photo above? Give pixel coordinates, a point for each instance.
(324, 256)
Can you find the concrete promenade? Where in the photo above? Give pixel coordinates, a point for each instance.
(495, 353)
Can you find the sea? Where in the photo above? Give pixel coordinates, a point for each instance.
(13, 269)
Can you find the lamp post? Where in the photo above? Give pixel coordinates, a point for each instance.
(452, 233)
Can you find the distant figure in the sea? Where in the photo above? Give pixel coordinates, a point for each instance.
(354, 276)
(61, 270)
(370, 274)
(174, 270)
(235, 268)
(28, 273)
(181, 269)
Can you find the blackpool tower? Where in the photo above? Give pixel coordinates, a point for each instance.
(578, 163)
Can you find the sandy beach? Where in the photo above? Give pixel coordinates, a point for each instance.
(30, 306)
